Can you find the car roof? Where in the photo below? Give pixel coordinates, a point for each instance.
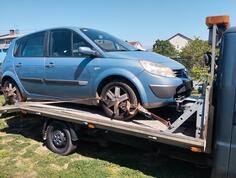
(54, 28)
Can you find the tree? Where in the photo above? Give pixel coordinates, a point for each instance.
(192, 54)
(165, 48)
(192, 57)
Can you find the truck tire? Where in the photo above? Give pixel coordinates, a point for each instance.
(58, 138)
(118, 90)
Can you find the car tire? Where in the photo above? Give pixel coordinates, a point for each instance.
(58, 138)
(11, 93)
(118, 90)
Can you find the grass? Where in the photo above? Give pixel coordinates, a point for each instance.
(22, 154)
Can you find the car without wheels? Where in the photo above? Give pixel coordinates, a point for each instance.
(72, 63)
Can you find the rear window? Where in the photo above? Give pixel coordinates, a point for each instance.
(30, 46)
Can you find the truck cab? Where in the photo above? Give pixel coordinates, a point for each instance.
(224, 147)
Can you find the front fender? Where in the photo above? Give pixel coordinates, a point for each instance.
(122, 73)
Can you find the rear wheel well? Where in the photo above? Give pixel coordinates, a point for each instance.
(8, 78)
(117, 78)
(4, 79)
(71, 126)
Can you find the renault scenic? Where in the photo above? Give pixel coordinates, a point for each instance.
(71, 63)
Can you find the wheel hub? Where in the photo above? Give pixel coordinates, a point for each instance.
(10, 90)
(10, 93)
(59, 139)
(116, 98)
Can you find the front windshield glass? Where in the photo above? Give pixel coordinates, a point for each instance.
(107, 42)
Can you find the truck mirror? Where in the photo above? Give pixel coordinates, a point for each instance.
(207, 58)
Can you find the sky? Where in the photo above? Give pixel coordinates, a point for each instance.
(132, 20)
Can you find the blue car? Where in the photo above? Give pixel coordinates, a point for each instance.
(2, 56)
(71, 63)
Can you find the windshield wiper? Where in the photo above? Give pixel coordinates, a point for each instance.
(137, 50)
(122, 50)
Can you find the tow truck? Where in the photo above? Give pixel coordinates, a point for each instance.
(201, 128)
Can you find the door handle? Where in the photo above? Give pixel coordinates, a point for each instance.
(19, 64)
(50, 65)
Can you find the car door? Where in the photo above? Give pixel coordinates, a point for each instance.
(65, 68)
(29, 62)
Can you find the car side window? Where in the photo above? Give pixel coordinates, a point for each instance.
(61, 43)
(31, 46)
(79, 41)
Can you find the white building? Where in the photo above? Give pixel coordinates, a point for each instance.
(137, 45)
(179, 41)
(6, 38)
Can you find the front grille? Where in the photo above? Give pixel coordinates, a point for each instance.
(181, 73)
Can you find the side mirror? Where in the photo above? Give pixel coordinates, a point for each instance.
(88, 51)
(207, 59)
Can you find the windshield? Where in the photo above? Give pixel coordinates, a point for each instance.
(107, 42)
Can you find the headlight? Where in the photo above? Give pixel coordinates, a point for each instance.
(157, 69)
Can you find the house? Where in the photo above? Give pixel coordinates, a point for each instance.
(179, 41)
(137, 45)
(6, 39)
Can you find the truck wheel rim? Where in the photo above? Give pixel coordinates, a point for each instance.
(59, 139)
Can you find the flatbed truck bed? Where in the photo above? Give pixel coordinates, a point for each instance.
(139, 127)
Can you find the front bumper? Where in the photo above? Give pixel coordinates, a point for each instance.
(157, 91)
(173, 91)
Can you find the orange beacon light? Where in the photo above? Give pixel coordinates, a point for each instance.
(218, 20)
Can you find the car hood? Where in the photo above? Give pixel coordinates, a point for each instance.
(148, 56)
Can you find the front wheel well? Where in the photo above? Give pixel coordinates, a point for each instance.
(117, 78)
